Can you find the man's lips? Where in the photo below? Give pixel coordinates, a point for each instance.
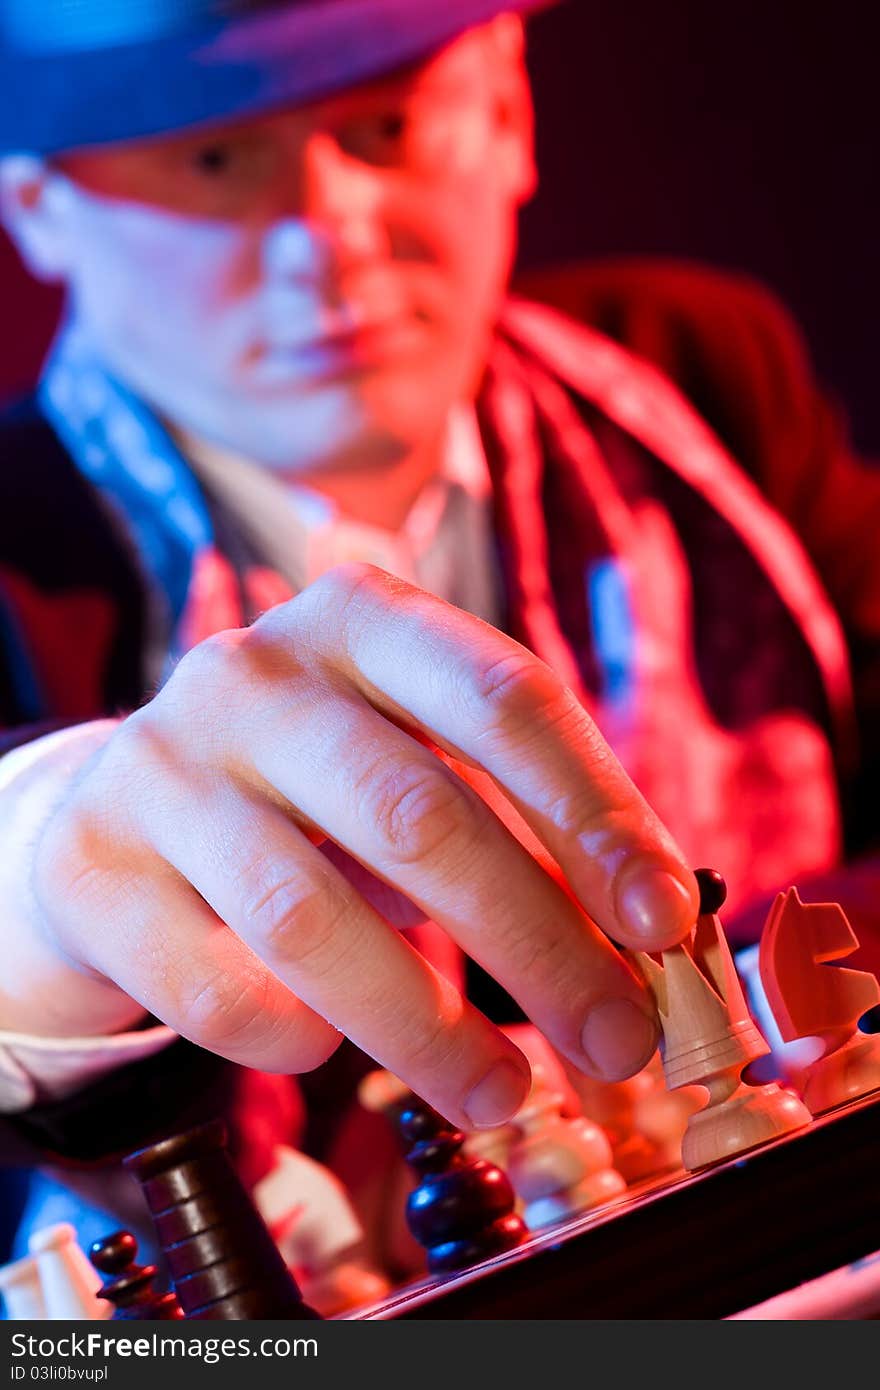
(367, 344)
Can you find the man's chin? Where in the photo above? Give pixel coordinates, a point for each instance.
(347, 427)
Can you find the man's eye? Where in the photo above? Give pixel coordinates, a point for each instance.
(376, 138)
(391, 125)
(213, 159)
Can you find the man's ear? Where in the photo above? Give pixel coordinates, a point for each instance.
(32, 208)
(515, 110)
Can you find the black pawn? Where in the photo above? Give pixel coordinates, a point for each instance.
(462, 1210)
(223, 1261)
(128, 1285)
(713, 891)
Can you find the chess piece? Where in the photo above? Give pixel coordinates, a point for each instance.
(315, 1227)
(223, 1261)
(558, 1165)
(383, 1093)
(462, 1208)
(21, 1291)
(70, 1283)
(128, 1286)
(661, 1116)
(396, 1249)
(645, 1122)
(493, 1145)
(811, 998)
(709, 1038)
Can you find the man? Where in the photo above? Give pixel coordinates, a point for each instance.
(286, 231)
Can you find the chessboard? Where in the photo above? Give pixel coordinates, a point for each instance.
(775, 1185)
(699, 1189)
(704, 1245)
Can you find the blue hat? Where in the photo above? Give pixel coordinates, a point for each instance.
(76, 73)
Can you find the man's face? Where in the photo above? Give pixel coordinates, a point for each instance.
(312, 288)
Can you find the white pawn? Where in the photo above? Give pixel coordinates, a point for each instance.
(70, 1282)
(22, 1292)
(558, 1166)
(493, 1144)
(317, 1230)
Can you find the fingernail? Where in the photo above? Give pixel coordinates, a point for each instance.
(619, 1039)
(498, 1096)
(654, 905)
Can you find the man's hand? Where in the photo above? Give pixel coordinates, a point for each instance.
(182, 869)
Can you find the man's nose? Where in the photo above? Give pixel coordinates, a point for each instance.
(342, 198)
(334, 218)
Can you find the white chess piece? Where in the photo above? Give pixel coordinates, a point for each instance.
(493, 1145)
(558, 1166)
(315, 1227)
(22, 1292)
(70, 1282)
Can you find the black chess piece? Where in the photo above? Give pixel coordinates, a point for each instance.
(713, 890)
(128, 1285)
(462, 1209)
(222, 1259)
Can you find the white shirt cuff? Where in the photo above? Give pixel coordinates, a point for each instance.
(34, 1069)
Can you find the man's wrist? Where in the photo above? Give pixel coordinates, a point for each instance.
(42, 993)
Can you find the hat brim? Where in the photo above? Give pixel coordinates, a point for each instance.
(286, 56)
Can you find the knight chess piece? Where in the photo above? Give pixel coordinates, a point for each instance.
(811, 996)
(709, 1037)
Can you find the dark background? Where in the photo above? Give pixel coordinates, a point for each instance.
(746, 135)
(743, 135)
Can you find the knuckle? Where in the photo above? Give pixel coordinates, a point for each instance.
(419, 1042)
(205, 673)
(346, 597)
(301, 922)
(516, 689)
(337, 587)
(212, 660)
(221, 686)
(223, 1011)
(141, 774)
(263, 662)
(576, 809)
(513, 678)
(415, 812)
(143, 744)
(430, 1046)
(435, 1047)
(145, 774)
(276, 642)
(532, 952)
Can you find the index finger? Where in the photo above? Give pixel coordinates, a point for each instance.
(487, 700)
